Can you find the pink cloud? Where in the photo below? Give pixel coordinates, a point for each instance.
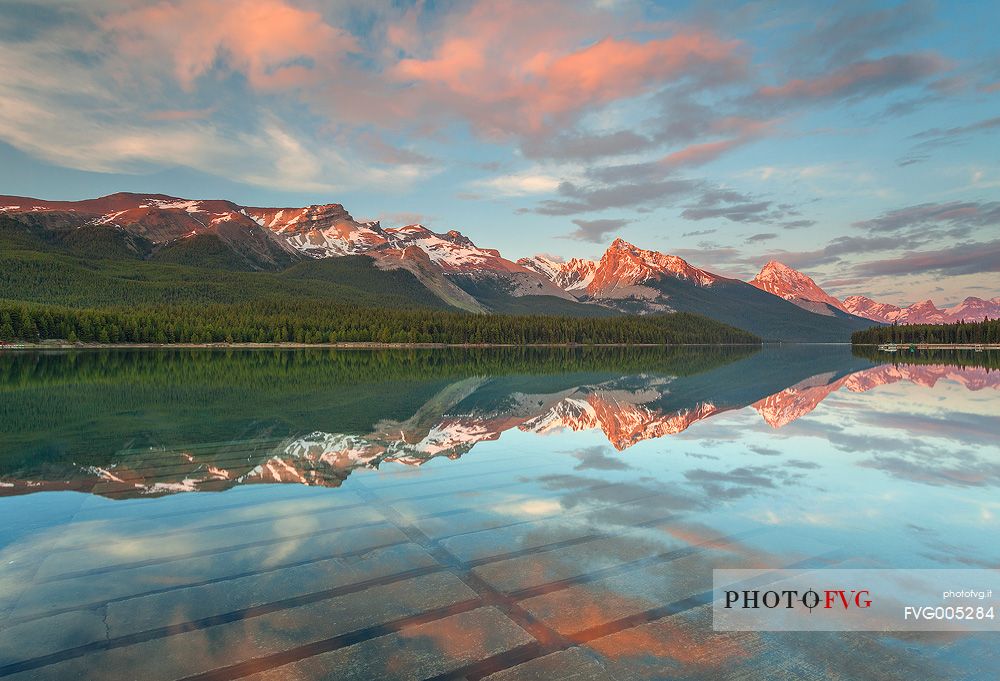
(745, 130)
(696, 154)
(457, 63)
(516, 67)
(864, 76)
(507, 68)
(613, 69)
(274, 44)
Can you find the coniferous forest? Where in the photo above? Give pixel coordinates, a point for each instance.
(312, 323)
(987, 331)
(53, 292)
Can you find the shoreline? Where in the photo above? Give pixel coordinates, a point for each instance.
(55, 345)
(349, 346)
(933, 346)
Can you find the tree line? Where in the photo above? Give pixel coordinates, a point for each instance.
(986, 331)
(989, 360)
(313, 322)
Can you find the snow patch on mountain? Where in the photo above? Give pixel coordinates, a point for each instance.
(173, 204)
(572, 275)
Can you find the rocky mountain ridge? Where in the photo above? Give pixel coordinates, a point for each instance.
(796, 287)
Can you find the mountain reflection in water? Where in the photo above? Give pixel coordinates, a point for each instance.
(508, 515)
(135, 424)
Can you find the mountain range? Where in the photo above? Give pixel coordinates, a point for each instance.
(796, 287)
(444, 269)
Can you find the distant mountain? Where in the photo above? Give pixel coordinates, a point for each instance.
(868, 308)
(971, 309)
(975, 309)
(631, 279)
(165, 223)
(793, 286)
(798, 288)
(624, 265)
(571, 275)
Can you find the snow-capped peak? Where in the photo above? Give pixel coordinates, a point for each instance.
(172, 204)
(781, 280)
(863, 306)
(572, 275)
(543, 265)
(973, 308)
(798, 288)
(415, 228)
(624, 264)
(923, 312)
(452, 251)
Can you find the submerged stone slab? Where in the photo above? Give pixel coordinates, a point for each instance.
(100, 508)
(574, 664)
(568, 562)
(186, 605)
(42, 598)
(415, 653)
(464, 485)
(109, 550)
(201, 650)
(512, 538)
(586, 606)
(50, 634)
(80, 532)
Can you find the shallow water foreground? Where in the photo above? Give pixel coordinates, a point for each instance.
(492, 514)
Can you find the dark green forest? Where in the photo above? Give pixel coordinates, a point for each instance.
(99, 291)
(311, 322)
(987, 331)
(57, 277)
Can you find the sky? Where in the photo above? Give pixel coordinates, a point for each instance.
(856, 141)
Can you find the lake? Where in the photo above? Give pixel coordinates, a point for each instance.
(502, 514)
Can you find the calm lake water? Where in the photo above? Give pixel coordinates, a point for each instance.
(467, 515)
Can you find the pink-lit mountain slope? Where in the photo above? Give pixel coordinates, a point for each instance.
(796, 287)
(792, 285)
(170, 229)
